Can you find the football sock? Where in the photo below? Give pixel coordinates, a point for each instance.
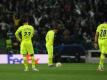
(50, 61)
(102, 57)
(25, 62)
(33, 62)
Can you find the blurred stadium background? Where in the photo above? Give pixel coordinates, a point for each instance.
(77, 20)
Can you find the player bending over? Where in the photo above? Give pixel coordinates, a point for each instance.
(49, 45)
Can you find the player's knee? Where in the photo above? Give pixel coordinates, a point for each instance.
(24, 55)
(50, 57)
(102, 56)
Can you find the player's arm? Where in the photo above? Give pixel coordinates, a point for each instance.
(96, 37)
(33, 31)
(96, 40)
(17, 34)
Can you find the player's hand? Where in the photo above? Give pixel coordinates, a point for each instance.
(96, 45)
(19, 40)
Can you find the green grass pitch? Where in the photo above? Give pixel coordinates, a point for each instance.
(72, 71)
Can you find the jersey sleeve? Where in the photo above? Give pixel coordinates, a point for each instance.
(17, 33)
(98, 28)
(32, 31)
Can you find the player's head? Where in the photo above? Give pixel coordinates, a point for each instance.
(55, 30)
(104, 19)
(55, 26)
(25, 19)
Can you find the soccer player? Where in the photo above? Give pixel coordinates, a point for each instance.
(26, 47)
(101, 41)
(49, 45)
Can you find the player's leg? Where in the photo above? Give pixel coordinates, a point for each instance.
(25, 62)
(24, 53)
(103, 49)
(50, 54)
(102, 58)
(31, 52)
(33, 63)
(100, 47)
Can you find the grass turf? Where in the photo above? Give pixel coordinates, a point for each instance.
(66, 72)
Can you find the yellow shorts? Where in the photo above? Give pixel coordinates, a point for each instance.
(26, 47)
(103, 46)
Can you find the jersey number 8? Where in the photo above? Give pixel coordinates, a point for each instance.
(103, 33)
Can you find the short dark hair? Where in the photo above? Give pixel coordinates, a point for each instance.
(104, 18)
(25, 18)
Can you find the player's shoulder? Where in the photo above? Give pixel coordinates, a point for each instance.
(20, 27)
(50, 31)
(101, 25)
(27, 26)
(30, 26)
